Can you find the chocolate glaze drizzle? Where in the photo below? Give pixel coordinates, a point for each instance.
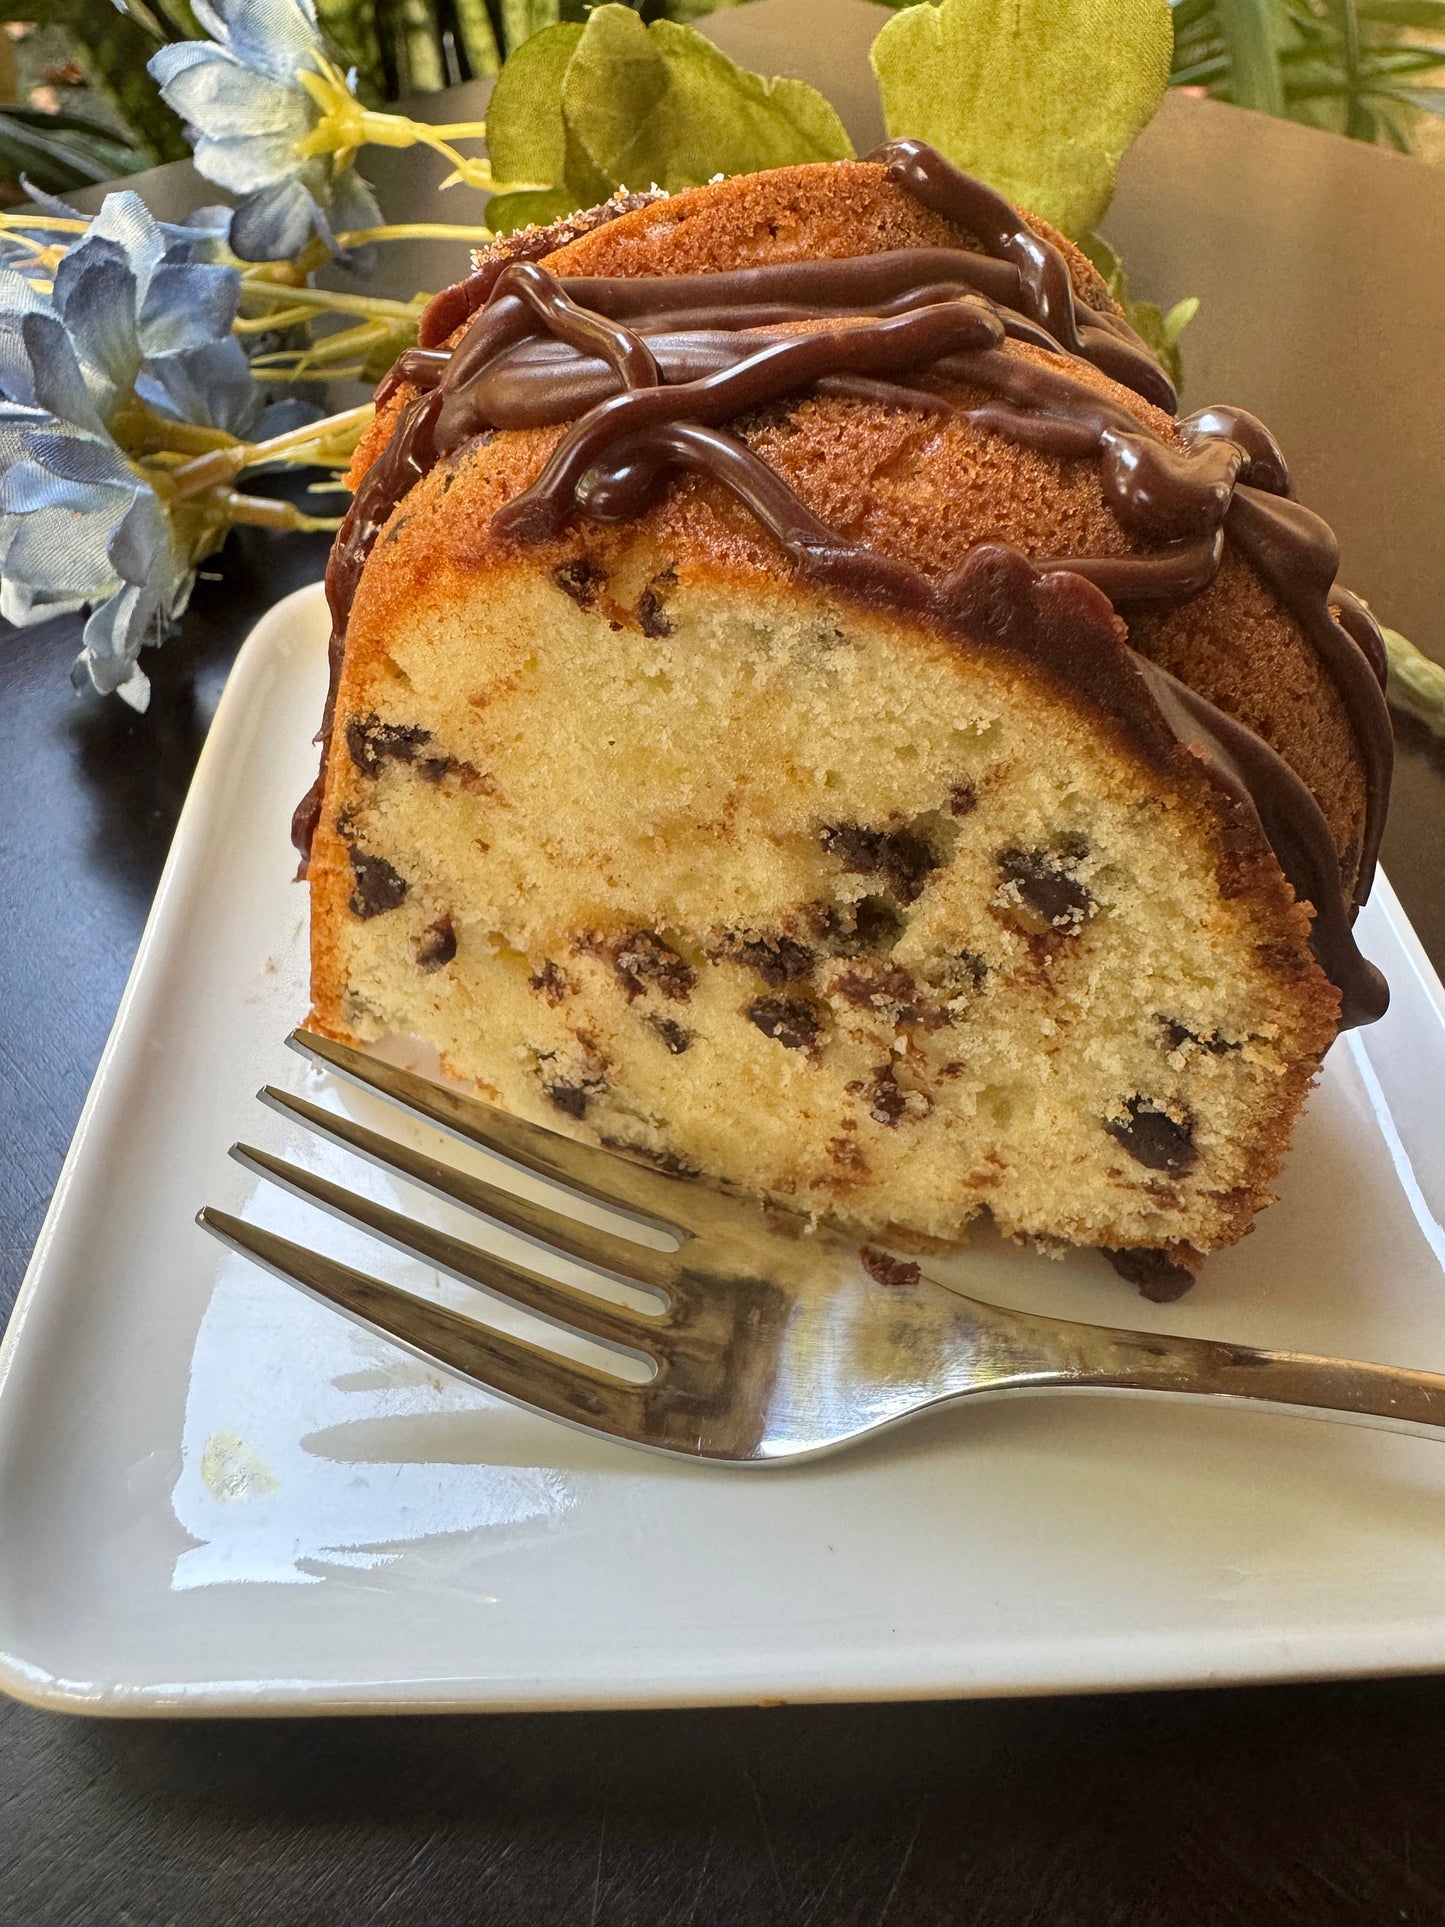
(648, 372)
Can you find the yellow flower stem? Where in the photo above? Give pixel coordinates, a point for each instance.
(260, 324)
(461, 130)
(329, 301)
(329, 442)
(19, 221)
(262, 512)
(356, 373)
(344, 344)
(415, 231)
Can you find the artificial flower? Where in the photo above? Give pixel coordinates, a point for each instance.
(273, 121)
(124, 364)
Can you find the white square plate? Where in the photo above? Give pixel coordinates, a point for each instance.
(218, 1496)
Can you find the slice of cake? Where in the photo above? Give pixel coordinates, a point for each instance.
(806, 714)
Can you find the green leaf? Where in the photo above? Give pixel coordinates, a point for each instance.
(526, 132)
(531, 207)
(60, 152)
(1248, 29)
(1040, 98)
(1423, 14)
(662, 106)
(1415, 681)
(113, 49)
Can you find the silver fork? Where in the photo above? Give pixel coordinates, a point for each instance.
(773, 1340)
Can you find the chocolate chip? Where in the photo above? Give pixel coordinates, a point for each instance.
(895, 1272)
(551, 983)
(962, 799)
(580, 579)
(892, 993)
(370, 742)
(847, 1155)
(877, 923)
(649, 614)
(572, 1086)
(902, 857)
(886, 1103)
(669, 1161)
(378, 886)
(1042, 881)
(642, 959)
(846, 930)
(436, 946)
(672, 1034)
(435, 770)
(1160, 1278)
(777, 959)
(1153, 1138)
(1179, 1035)
(569, 1098)
(793, 1023)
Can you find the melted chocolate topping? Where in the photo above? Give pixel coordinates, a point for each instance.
(650, 370)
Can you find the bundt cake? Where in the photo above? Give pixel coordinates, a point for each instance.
(807, 714)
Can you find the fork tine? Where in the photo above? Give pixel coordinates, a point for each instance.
(515, 1370)
(550, 1229)
(611, 1179)
(575, 1311)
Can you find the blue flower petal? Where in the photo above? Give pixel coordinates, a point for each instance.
(100, 320)
(273, 37)
(186, 305)
(212, 386)
(78, 458)
(17, 376)
(221, 100)
(22, 605)
(275, 223)
(28, 486)
(140, 545)
(125, 220)
(18, 296)
(60, 387)
(63, 550)
(113, 637)
(280, 417)
(87, 257)
(246, 163)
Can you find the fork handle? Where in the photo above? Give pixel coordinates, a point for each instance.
(1090, 1357)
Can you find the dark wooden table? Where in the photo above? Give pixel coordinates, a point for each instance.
(1321, 271)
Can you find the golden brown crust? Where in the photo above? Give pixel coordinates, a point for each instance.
(884, 475)
(890, 472)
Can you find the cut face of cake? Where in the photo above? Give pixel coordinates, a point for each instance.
(806, 714)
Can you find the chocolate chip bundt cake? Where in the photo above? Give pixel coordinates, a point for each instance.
(806, 713)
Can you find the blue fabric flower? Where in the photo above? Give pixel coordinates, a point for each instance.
(133, 335)
(252, 115)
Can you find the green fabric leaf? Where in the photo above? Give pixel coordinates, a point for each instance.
(1039, 98)
(619, 104)
(1416, 682)
(531, 207)
(1426, 14)
(661, 105)
(527, 136)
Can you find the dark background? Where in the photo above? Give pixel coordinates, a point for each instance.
(1320, 267)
